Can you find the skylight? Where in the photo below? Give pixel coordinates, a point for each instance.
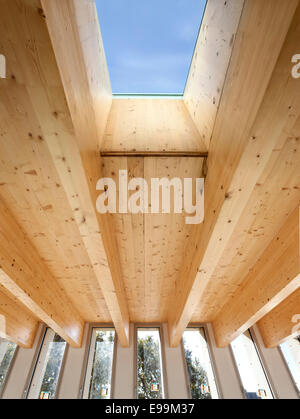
(149, 44)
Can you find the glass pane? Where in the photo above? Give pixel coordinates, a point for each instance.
(100, 385)
(98, 380)
(149, 44)
(251, 371)
(53, 363)
(291, 353)
(7, 351)
(149, 364)
(200, 372)
(47, 371)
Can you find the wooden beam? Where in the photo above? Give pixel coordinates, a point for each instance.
(275, 196)
(153, 154)
(252, 119)
(274, 277)
(16, 322)
(26, 277)
(76, 39)
(282, 322)
(29, 182)
(210, 63)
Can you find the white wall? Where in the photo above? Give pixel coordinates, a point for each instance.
(276, 369)
(177, 387)
(124, 370)
(175, 369)
(17, 379)
(71, 377)
(226, 372)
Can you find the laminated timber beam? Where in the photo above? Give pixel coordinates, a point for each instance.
(282, 322)
(24, 275)
(274, 277)
(256, 109)
(76, 40)
(210, 62)
(17, 324)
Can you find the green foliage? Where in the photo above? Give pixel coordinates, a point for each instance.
(197, 376)
(148, 368)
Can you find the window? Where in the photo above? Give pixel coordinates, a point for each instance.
(46, 374)
(291, 352)
(150, 384)
(252, 374)
(7, 351)
(199, 368)
(98, 381)
(149, 44)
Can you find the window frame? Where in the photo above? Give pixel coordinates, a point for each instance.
(262, 363)
(88, 348)
(9, 369)
(288, 369)
(158, 326)
(211, 357)
(36, 360)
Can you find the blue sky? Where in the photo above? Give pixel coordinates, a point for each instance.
(149, 43)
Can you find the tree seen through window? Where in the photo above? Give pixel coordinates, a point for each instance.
(149, 368)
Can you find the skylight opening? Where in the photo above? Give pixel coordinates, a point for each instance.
(149, 45)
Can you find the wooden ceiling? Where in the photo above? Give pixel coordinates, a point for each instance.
(238, 124)
(152, 126)
(151, 245)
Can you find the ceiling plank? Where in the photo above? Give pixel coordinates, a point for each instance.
(165, 236)
(26, 277)
(151, 126)
(282, 322)
(16, 322)
(210, 63)
(76, 39)
(244, 136)
(274, 277)
(151, 245)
